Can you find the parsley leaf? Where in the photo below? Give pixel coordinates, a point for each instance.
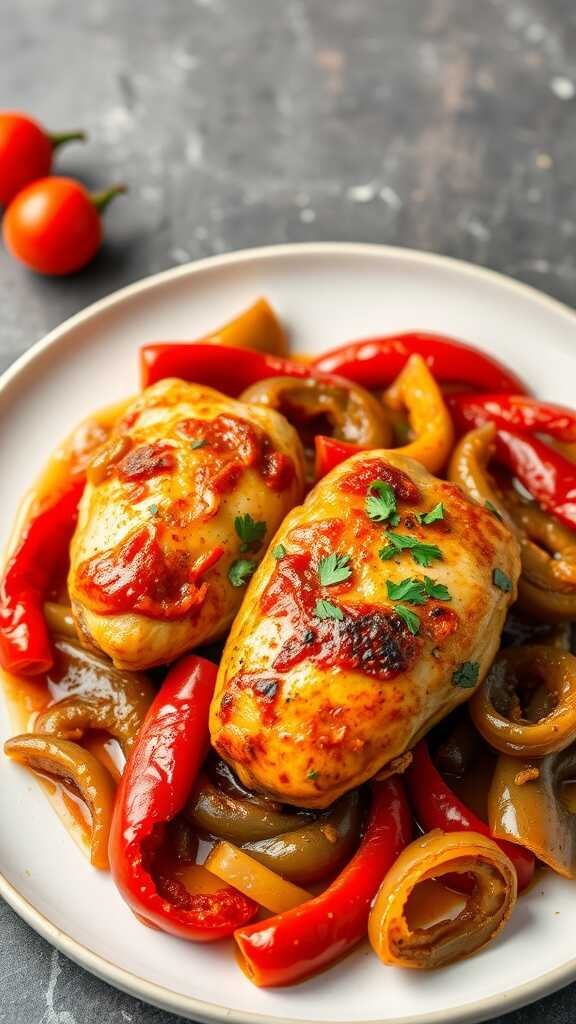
(198, 442)
(466, 675)
(312, 774)
(423, 554)
(502, 581)
(410, 618)
(436, 590)
(432, 516)
(327, 610)
(152, 510)
(492, 508)
(334, 569)
(240, 571)
(381, 505)
(410, 590)
(279, 552)
(250, 532)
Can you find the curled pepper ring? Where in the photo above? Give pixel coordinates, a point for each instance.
(336, 408)
(547, 586)
(401, 943)
(497, 712)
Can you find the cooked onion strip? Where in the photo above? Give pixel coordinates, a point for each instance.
(486, 907)
(72, 764)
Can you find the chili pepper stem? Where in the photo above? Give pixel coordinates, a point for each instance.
(60, 138)
(101, 199)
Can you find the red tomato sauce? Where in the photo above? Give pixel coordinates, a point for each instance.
(138, 576)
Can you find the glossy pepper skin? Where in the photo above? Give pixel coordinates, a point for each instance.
(548, 476)
(228, 369)
(25, 646)
(330, 452)
(292, 946)
(518, 412)
(154, 788)
(436, 806)
(375, 362)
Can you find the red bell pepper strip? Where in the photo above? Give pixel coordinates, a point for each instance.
(436, 806)
(154, 787)
(548, 476)
(228, 369)
(25, 647)
(330, 453)
(375, 362)
(302, 941)
(513, 411)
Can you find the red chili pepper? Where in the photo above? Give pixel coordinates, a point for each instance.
(25, 646)
(548, 476)
(516, 411)
(331, 452)
(228, 369)
(300, 942)
(155, 786)
(375, 362)
(436, 806)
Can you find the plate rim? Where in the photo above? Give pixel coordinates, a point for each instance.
(125, 980)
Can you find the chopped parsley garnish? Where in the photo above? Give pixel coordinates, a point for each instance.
(198, 442)
(466, 675)
(492, 508)
(432, 516)
(381, 503)
(436, 590)
(312, 774)
(152, 510)
(410, 618)
(410, 590)
(327, 610)
(334, 569)
(279, 552)
(502, 581)
(240, 572)
(423, 554)
(251, 533)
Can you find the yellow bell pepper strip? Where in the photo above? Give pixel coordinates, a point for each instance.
(95, 695)
(257, 328)
(416, 390)
(253, 879)
(65, 760)
(525, 806)
(400, 943)
(497, 711)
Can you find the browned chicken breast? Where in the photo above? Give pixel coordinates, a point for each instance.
(178, 509)
(377, 609)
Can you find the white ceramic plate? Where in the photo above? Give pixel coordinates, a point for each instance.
(327, 294)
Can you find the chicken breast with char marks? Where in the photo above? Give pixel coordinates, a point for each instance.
(158, 564)
(367, 622)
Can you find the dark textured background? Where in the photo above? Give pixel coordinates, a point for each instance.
(445, 125)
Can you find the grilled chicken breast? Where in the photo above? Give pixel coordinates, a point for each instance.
(154, 560)
(367, 622)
